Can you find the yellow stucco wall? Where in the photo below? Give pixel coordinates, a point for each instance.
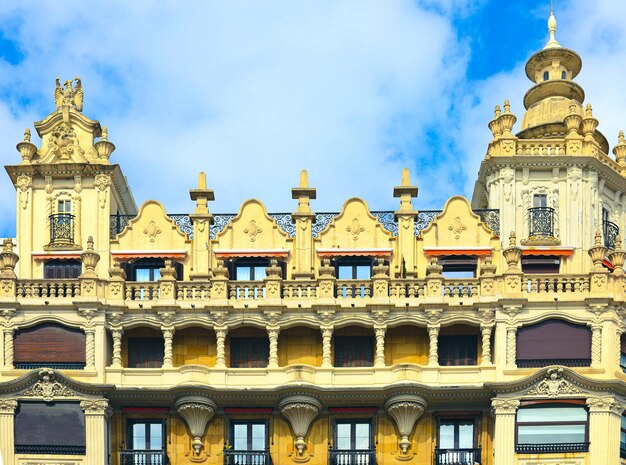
(300, 345)
(194, 346)
(406, 344)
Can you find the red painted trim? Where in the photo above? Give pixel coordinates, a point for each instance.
(525, 403)
(145, 410)
(445, 252)
(281, 254)
(608, 264)
(472, 413)
(65, 256)
(130, 256)
(354, 253)
(245, 410)
(353, 409)
(549, 252)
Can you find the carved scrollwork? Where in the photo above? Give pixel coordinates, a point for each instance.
(48, 388)
(197, 412)
(554, 385)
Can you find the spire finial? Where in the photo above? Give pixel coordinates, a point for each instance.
(406, 177)
(201, 180)
(552, 43)
(304, 178)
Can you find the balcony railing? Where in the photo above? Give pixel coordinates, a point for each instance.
(353, 457)
(541, 220)
(457, 456)
(247, 457)
(610, 232)
(143, 457)
(566, 362)
(61, 228)
(552, 448)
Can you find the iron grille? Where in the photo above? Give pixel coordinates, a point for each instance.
(457, 456)
(491, 218)
(353, 457)
(50, 449)
(541, 220)
(552, 448)
(62, 228)
(143, 457)
(566, 362)
(610, 231)
(247, 457)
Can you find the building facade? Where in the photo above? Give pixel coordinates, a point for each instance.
(489, 332)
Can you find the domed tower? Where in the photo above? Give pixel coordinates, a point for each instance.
(553, 182)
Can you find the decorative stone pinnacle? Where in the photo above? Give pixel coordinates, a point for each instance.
(7, 245)
(618, 242)
(202, 180)
(90, 243)
(507, 106)
(598, 238)
(589, 111)
(620, 138)
(406, 177)
(512, 239)
(552, 43)
(26, 135)
(105, 133)
(497, 111)
(304, 178)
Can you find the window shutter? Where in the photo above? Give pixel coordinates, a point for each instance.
(49, 343)
(354, 351)
(249, 352)
(554, 340)
(145, 352)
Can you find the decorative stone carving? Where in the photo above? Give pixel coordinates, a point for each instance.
(457, 227)
(554, 385)
(69, 95)
(90, 259)
(327, 336)
(26, 148)
(8, 406)
(504, 406)
(48, 388)
(252, 230)
(23, 184)
(511, 345)
(102, 182)
(433, 351)
(8, 259)
(300, 411)
(63, 145)
(95, 407)
(605, 405)
(152, 230)
(355, 228)
(197, 412)
(405, 410)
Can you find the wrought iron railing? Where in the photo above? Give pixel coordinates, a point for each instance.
(552, 448)
(61, 228)
(353, 457)
(491, 218)
(541, 221)
(457, 456)
(54, 449)
(143, 457)
(566, 362)
(247, 457)
(54, 366)
(610, 232)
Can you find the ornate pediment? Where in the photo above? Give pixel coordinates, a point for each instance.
(48, 387)
(553, 385)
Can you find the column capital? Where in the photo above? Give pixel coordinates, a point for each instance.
(8, 406)
(95, 407)
(605, 405)
(504, 406)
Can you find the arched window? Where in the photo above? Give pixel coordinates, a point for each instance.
(49, 345)
(563, 75)
(553, 342)
(546, 75)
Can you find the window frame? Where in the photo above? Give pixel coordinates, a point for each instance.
(151, 264)
(353, 264)
(459, 264)
(250, 363)
(547, 264)
(457, 419)
(358, 341)
(249, 424)
(519, 449)
(353, 422)
(62, 206)
(455, 338)
(130, 422)
(543, 200)
(73, 268)
(158, 363)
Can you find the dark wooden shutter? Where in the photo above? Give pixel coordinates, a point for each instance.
(49, 344)
(553, 342)
(62, 269)
(50, 428)
(458, 350)
(249, 352)
(354, 351)
(145, 352)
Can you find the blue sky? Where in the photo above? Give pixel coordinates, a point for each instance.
(252, 92)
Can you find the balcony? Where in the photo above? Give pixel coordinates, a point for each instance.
(61, 230)
(143, 457)
(552, 448)
(541, 226)
(610, 231)
(353, 457)
(457, 456)
(245, 457)
(570, 362)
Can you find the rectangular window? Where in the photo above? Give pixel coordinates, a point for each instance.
(251, 269)
(456, 441)
(551, 428)
(541, 265)
(622, 438)
(249, 352)
(353, 443)
(145, 352)
(49, 428)
(354, 268)
(62, 269)
(459, 267)
(146, 442)
(458, 350)
(49, 345)
(353, 351)
(64, 206)
(540, 200)
(249, 443)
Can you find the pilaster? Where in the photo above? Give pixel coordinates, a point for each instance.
(7, 438)
(96, 417)
(303, 217)
(406, 215)
(201, 220)
(504, 411)
(604, 430)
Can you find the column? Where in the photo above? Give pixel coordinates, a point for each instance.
(116, 359)
(8, 347)
(220, 351)
(485, 331)
(327, 336)
(7, 440)
(273, 332)
(90, 348)
(511, 346)
(504, 411)
(168, 354)
(596, 345)
(433, 350)
(379, 358)
(96, 417)
(604, 430)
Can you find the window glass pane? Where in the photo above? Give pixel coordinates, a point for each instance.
(458, 274)
(156, 436)
(559, 414)
(344, 272)
(240, 440)
(139, 436)
(363, 272)
(623, 422)
(258, 437)
(259, 273)
(446, 436)
(142, 274)
(362, 436)
(343, 436)
(540, 200)
(243, 273)
(551, 434)
(622, 440)
(466, 435)
(156, 272)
